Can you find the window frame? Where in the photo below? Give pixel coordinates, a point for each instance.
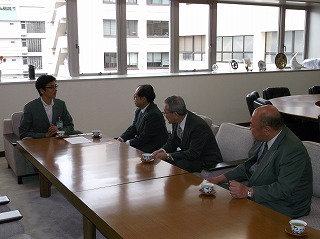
(73, 47)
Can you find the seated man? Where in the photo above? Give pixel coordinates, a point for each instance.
(148, 131)
(192, 145)
(44, 116)
(278, 172)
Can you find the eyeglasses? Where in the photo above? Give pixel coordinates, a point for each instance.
(165, 113)
(52, 87)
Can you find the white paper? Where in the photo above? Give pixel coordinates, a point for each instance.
(77, 140)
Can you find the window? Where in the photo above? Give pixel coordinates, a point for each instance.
(24, 42)
(110, 60)
(36, 61)
(158, 28)
(34, 45)
(109, 28)
(234, 47)
(132, 28)
(158, 59)
(23, 25)
(192, 48)
(35, 27)
(158, 2)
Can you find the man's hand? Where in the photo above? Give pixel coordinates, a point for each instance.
(52, 131)
(238, 190)
(159, 154)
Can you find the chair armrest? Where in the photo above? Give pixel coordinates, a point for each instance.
(10, 216)
(7, 126)
(12, 138)
(4, 200)
(229, 164)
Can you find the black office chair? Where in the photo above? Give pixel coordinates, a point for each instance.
(260, 102)
(314, 90)
(250, 98)
(275, 92)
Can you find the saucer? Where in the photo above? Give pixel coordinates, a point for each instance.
(99, 136)
(61, 137)
(146, 161)
(208, 194)
(288, 230)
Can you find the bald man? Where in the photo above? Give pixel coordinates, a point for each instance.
(278, 175)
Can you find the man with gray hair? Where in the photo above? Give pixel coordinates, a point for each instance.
(192, 145)
(278, 172)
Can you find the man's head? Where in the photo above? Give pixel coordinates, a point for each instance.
(46, 84)
(266, 122)
(174, 109)
(143, 95)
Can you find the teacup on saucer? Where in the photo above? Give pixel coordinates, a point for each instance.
(146, 157)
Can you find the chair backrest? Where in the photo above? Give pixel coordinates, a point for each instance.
(15, 119)
(314, 90)
(206, 119)
(313, 149)
(250, 98)
(275, 92)
(234, 141)
(260, 101)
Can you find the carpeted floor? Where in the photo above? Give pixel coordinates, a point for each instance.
(43, 218)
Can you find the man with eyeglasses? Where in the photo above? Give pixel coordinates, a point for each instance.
(192, 145)
(44, 116)
(148, 130)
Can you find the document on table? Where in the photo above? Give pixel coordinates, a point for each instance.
(77, 140)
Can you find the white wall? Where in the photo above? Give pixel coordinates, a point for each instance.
(108, 104)
(314, 49)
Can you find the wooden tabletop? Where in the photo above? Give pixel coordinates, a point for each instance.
(173, 208)
(304, 106)
(99, 163)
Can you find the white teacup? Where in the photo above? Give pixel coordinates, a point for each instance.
(207, 187)
(60, 133)
(146, 157)
(96, 133)
(297, 226)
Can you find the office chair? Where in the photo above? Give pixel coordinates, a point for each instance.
(260, 101)
(314, 90)
(275, 92)
(250, 98)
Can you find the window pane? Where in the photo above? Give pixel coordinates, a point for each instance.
(294, 36)
(193, 33)
(244, 32)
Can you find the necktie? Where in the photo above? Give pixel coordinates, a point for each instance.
(263, 151)
(139, 119)
(179, 132)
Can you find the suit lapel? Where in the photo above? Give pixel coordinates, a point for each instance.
(268, 157)
(42, 112)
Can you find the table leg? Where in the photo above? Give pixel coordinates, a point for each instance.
(89, 229)
(45, 186)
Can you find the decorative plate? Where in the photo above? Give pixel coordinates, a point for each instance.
(262, 65)
(280, 60)
(234, 64)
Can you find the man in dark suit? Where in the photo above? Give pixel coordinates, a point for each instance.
(192, 145)
(44, 116)
(148, 131)
(279, 177)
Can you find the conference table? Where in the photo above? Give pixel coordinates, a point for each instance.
(124, 198)
(302, 106)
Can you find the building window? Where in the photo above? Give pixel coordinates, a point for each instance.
(35, 27)
(158, 2)
(132, 60)
(110, 60)
(158, 28)
(34, 45)
(23, 25)
(192, 48)
(24, 42)
(114, 1)
(158, 60)
(234, 47)
(110, 27)
(36, 61)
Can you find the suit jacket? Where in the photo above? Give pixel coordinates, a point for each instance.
(35, 123)
(148, 134)
(283, 179)
(198, 144)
